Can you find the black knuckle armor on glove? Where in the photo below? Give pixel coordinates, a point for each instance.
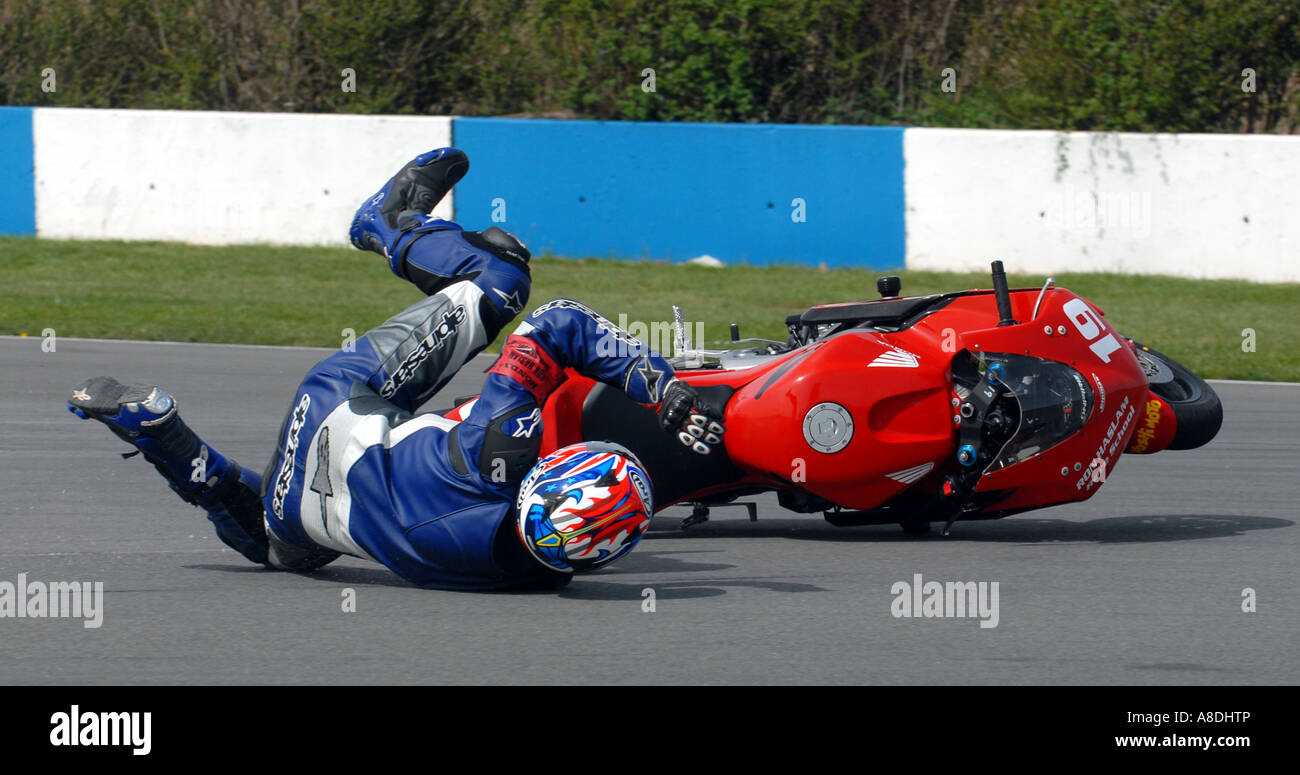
(685, 414)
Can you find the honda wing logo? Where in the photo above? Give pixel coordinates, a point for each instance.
(896, 358)
(913, 474)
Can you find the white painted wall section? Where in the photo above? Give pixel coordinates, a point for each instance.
(1201, 206)
(217, 178)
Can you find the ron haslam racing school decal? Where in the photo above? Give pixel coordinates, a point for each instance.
(1109, 447)
(435, 340)
(285, 474)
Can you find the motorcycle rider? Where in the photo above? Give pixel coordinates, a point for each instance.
(439, 502)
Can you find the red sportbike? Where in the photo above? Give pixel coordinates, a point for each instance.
(977, 404)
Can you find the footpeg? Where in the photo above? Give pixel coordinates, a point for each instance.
(700, 513)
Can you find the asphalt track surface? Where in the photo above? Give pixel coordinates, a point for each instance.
(1142, 584)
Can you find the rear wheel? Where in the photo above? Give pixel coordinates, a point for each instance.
(1195, 404)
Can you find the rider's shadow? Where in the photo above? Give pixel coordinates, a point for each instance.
(351, 575)
(638, 562)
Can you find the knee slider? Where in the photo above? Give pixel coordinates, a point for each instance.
(283, 556)
(501, 244)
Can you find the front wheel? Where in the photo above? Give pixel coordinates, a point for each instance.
(1195, 405)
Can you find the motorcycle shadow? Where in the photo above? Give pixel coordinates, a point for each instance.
(1021, 530)
(607, 586)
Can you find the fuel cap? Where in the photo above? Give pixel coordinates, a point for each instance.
(828, 427)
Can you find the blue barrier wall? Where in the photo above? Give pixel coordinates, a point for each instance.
(17, 172)
(675, 191)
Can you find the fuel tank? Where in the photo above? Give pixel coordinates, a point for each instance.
(853, 418)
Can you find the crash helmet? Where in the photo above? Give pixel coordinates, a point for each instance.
(584, 506)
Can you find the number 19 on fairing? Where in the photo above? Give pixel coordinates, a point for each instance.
(1090, 326)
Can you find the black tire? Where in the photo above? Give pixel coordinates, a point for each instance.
(1196, 406)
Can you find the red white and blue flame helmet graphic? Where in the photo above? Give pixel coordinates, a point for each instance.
(584, 506)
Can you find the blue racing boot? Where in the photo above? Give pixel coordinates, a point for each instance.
(404, 202)
(145, 416)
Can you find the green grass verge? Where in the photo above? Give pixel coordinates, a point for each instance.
(307, 296)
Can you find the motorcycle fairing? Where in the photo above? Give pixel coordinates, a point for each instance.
(1072, 332)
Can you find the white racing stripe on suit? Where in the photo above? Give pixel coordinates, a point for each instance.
(361, 432)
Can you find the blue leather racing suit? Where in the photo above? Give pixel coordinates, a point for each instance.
(357, 471)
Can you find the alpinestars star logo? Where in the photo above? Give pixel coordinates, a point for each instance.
(446, 328)
(512, 303)
(320, 483)
(651, 376)
(527, 424)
